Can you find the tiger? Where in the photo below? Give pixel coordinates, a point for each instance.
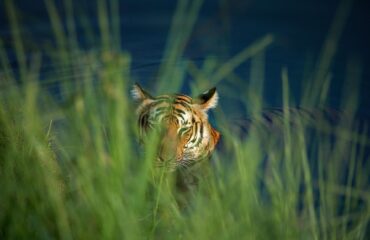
(187, 137)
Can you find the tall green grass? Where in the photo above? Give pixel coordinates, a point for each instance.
(76, 170)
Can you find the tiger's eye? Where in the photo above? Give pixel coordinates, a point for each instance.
(183, 130)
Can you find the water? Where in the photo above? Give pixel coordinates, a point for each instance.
(223, 29)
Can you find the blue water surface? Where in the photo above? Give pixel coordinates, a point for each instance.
(223, 28)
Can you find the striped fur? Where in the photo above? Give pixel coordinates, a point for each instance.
(186, 135)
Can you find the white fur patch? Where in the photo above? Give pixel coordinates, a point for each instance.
(137, 93)
(212, 103)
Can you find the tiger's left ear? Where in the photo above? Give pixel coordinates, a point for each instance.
(139, 94)
(207, 100)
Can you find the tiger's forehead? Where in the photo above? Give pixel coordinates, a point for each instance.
(175, 98)
(172, 102)
(177, 105)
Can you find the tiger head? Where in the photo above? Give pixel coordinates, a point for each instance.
(186, 136)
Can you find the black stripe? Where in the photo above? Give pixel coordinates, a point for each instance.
(161, 109)
(201, 135)
(184, 104)
(143, 120)
(163, 98)
(180, 116)
(195, 133)
(180, 111)
(201, 130)
(183, 97)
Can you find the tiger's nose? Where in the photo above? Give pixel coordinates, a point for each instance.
(167, 150)
(168, 144)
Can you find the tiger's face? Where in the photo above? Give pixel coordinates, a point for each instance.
(186, 136)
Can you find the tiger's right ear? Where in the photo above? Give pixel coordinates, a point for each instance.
(207, 100)
(138, 93)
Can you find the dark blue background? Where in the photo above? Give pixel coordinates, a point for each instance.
(223, 29)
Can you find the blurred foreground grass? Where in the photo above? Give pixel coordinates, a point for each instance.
(75, 171)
